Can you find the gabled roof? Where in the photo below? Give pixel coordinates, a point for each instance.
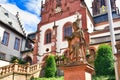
(11, 20)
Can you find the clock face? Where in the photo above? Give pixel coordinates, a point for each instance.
(58, 9)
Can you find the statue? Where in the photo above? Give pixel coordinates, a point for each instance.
(77, 44)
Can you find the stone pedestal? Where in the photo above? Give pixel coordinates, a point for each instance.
(78, 72)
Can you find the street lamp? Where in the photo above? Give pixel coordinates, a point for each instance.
(113, 42)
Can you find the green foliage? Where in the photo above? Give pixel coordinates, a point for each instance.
(104, 62)
(16, 59)
(13, 59)
(21, 61)
(59, 78)
(50, 68)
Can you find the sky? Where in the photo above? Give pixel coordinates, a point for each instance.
(29, 11)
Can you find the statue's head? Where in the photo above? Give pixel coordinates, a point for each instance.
(75, 26)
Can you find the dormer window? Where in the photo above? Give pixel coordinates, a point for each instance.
(10, 23)
(6, 14)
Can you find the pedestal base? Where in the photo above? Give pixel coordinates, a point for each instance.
(78, 72)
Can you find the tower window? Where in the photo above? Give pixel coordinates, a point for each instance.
(103, 3)
(48, 35)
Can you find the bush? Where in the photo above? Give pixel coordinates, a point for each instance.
(104, 62)
(13, 59)
(50, 68)
(20, 61)
(59, 78)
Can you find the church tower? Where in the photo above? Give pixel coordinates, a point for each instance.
(100, 6)
(57, 17)
(53, 10)
(101, 33)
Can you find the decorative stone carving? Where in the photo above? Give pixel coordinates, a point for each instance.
(76, 51)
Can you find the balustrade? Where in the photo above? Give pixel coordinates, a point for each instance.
(34, 67)
(103, 39)
(17, 68)
(22, 68)
(6, 69)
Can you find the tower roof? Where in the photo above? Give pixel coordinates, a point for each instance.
(100, 6)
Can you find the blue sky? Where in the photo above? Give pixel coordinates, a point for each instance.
(29, 12)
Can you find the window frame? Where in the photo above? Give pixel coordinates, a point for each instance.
(48, 34)
(18, 43)
(5, 43)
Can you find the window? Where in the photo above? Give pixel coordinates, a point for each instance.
(17, 44)
(5, 38)
(67, 31)
(48, 36)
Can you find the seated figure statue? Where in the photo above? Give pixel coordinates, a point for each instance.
(77, 45)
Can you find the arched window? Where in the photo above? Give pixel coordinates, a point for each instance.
(92, 52)
(28, 59)
(48, 35)
(67, 30)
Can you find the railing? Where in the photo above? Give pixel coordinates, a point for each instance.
(103, 39)
(6, 69)
(17, 68)
(34, 67)
(22, 68)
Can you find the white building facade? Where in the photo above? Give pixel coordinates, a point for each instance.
(56, 24)
(13, 37)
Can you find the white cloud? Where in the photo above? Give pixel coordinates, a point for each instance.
(3, 1)
(34, 6)
(28, 20)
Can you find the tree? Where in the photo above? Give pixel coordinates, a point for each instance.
(50, 68)
(104, 62)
